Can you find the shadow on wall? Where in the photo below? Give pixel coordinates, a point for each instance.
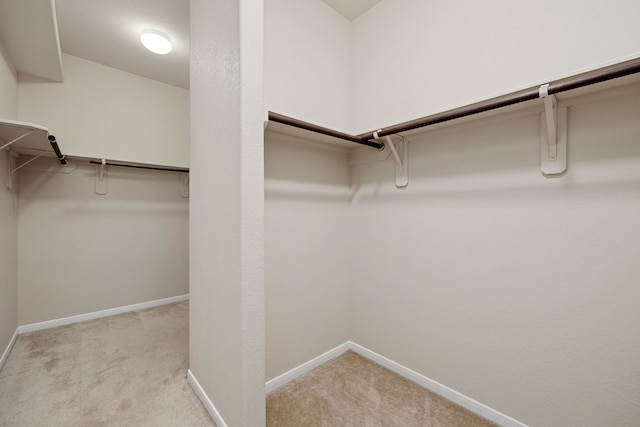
(304, 171)
(46, 180)
(488, 156)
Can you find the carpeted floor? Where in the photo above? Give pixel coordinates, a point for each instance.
(129, 370)
(353, 391)
(123, 370)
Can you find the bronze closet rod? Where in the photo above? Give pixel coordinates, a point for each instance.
(574, 82)
(56, 149)
(140, 166)
(279, 118)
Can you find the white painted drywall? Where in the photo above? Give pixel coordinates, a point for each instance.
(8, 213)
(307, 62)
(413, 58)
(80, 252)
(307, 276)
(8, 86)
(102, 112)
(226, 226)
(514, 289)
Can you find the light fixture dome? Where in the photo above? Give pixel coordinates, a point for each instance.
(156, 42)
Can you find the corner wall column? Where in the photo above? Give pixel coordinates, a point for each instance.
(226, 267)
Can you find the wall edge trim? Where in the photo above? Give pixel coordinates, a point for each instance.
(98, 314)
(440, 389)
(298, 371)
(7, 350)
(202, 395)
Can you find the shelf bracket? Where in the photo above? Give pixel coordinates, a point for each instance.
(185, 186)
(8, 144)
(101, 177)
(402, 172)
(9, 177)
(13, 170)
(553, 135)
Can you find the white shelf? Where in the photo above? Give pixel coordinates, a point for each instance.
(28, 139)
(34, 141)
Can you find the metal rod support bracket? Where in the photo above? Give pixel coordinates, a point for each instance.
(185, 186)
(101, 177)
(402, 172)
(551, 116)
(553, 148)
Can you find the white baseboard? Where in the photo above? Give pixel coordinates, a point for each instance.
(434, 386)
(98, 314)
(209, 406)
(298, 371)
(12, 341)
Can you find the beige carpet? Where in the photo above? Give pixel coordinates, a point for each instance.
(124, 370)
(353, 391)
(129, 370)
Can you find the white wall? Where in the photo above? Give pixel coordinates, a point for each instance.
(81, 252)
(517, 290)
(102, 112)
(8, 86)
(413, 58)
(307, 62)
(307, 250)
(8, 213)
(226, 265)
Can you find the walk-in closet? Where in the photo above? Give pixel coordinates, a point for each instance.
(432, 194)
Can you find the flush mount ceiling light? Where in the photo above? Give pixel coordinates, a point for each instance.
(156, 42)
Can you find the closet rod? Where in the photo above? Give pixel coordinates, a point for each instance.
(279, 118)
(574, 82)
(139, 166)
(56, 149)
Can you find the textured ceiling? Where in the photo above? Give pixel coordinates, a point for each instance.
(29, 33)
(108, 32)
